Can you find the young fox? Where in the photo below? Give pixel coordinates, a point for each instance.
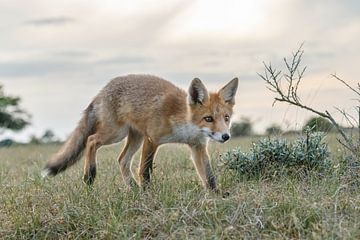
(150, 111)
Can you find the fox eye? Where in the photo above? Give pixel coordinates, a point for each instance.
(227, 118)
(209, 119)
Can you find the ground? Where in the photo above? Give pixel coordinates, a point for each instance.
(175, 206)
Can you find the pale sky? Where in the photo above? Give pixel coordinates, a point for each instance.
(56, 55)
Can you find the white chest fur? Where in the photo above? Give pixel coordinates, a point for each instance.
(185, 133)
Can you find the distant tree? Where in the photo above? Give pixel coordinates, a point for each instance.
(12, 117)
(273, 129)
(34, 140)
(48, 137)
(318, 124)
(242, 128)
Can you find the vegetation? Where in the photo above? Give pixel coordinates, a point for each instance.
(242, 128)
(273, 129)
(318, 124)
(47, 137)
(6, 142)
(277, 156)
(175, 206)
(12, 117)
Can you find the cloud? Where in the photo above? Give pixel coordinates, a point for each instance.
(37, 68)
(69, 62)
(120, 37)
(124, 60)
(73, 54)
(51, 21)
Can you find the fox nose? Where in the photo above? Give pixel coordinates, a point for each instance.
(225, 137)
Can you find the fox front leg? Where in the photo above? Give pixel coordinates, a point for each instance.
(146, 162)
(201, 161)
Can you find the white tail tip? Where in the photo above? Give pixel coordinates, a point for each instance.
(45, 173)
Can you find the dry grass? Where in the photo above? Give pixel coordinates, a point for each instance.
(175, 206)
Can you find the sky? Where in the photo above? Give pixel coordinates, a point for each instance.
(56, 55)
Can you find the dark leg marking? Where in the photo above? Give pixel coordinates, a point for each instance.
(148, 169)
(89, 178)
(212, 182)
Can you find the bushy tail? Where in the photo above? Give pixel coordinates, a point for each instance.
(73, 148)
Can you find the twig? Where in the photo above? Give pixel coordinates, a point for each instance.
(346, 84)
(349, 119)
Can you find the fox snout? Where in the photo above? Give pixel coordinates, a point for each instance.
(220, 137)
(217, 136)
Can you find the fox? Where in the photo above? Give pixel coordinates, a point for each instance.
(148, 111)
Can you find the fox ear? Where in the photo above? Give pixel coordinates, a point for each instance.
(228, 92)
(197, 92)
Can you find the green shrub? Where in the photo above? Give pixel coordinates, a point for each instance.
(318, 124)
(271, 156)
(242, 128)
(273, 129)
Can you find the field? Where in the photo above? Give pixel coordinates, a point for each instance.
(175, 206)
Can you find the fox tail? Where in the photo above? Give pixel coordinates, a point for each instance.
(73, 148)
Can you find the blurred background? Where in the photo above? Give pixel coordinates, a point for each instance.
(56, 55)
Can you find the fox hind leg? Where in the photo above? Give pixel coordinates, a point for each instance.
(102, 137)
(92, 145)
(133, 143)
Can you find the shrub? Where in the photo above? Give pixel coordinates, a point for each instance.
(243, 128)
(6, 142)
(275, 155)
(318, 124)
(273, 129)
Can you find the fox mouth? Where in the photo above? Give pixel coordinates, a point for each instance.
(215, 139)
(213, 136)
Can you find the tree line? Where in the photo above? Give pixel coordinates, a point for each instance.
(244, 127)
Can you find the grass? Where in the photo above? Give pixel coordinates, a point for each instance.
(175, 206)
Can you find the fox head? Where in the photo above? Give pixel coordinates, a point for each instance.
(212, 112)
